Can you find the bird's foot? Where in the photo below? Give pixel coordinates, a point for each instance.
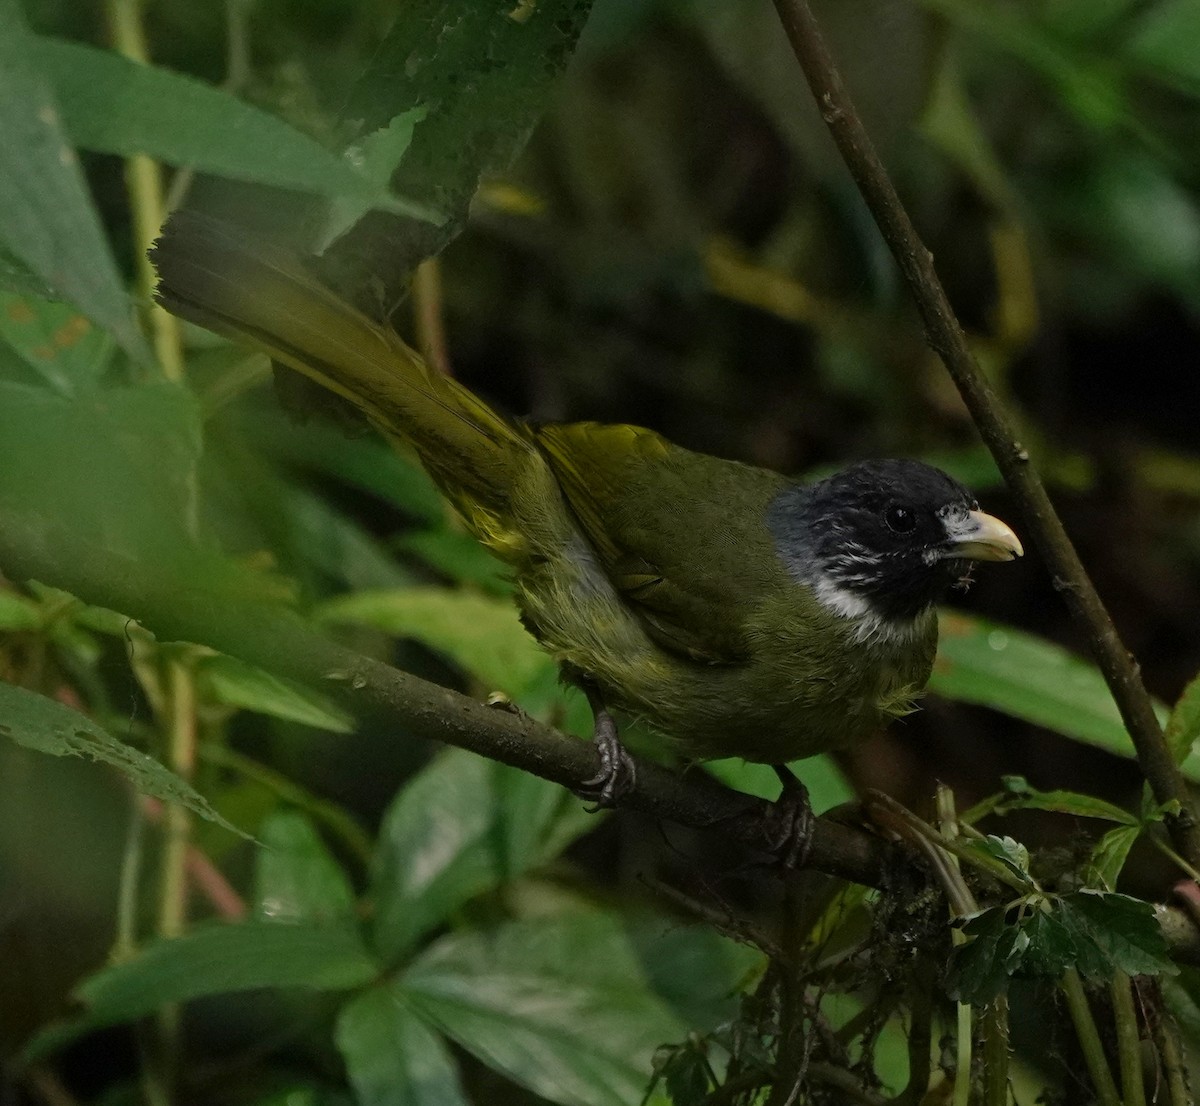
(617, 775)
(788, 822)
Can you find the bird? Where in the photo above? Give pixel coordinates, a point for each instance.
(737, 611)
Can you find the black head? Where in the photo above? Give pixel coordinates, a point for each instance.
(885, 538)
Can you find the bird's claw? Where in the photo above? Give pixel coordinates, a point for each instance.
(617, 775)
(788, 823)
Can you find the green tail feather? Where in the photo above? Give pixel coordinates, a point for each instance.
(215, 275)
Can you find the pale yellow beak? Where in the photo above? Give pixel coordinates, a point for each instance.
(983, 537)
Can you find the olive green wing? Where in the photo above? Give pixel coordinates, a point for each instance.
(681, 535)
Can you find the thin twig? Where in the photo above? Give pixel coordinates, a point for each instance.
(946, 337)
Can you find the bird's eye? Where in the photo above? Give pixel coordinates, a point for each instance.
(900, 520)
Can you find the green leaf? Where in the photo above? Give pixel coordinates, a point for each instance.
(1091, 20)
(237, 684)
(459, 828)
(313, 534)
(18, 613)
(979, 970)
(1109, 855)
(296, 878)
(435, 851)
(481, 633)
(41, 724)
(1011, 671)
(458, 556)
(223, 959)
(1125, 930)
(827, 784)
(117, 106)
(50, 224)
(684, 1070)
(1020, 796)
(1086, 84)
(1012, 854)
(1147, 220)
(17, 277)
(1164, 40)
(1183, 726)
(1034, 938)
(392, 1057)
(699, 973)
(535, 819)
(369, 464)
(559, 1006)
(61, 346)
(376, 158)
(442, 56)
(1051, 947)
(116, 467)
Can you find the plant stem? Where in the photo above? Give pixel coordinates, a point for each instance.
(945, 336)
(962, 1063)
(1129, 1045)
(901, 816)
(1089, 1038)
(125, 942)
(994, 1028)
(177, 820)
(177, 826)
(1157, 841)
(1168, 1049)
(143, 178)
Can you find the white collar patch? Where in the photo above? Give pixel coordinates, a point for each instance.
(869, 624)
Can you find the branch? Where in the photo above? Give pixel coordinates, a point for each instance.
(240, 623)
(945, 336)
(231, 616)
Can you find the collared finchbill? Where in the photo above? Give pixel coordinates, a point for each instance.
(983, 537)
